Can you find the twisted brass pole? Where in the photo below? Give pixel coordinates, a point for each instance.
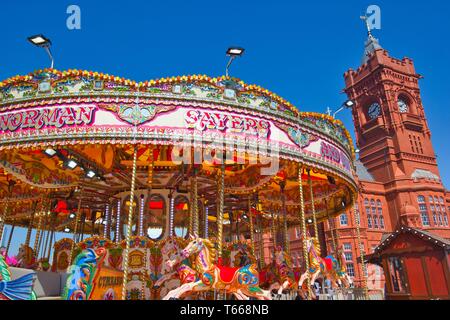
(313, 206)
(361, 250)
(252, 234)
(304, 237)
(77, 218)
(129, 226)
(221, 208)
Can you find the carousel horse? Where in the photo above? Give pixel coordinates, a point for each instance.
(26, 258)
(341, 275)
(19, 289)
(80, 282)
(183, 270)
(242, 282)
(285, 272)
(326, 267)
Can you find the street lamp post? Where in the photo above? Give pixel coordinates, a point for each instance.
(346, 105)
(43, 42)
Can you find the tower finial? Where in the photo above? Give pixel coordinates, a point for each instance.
(366, 21)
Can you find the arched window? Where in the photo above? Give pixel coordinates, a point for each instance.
(181, 217)
(424, 215)
(445, 219)
(155, 221)
(382, 226)
(375, 222)
(421, 199)
(379, 204)
(372, 203)
(441, 200)
(366, 202)
(369, 221)
(344, 219)
(431, 199)
(435, 219)
(441, 222)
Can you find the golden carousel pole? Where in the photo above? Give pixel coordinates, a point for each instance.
(30, 224)
(274, 234)
(303, 222)
(41, 214)
(11, 184)
(13, 226)
(313, 206)
(77, 219)
(285, 225)
(195, 210)
(252, 229)
(129, 226)
(332, 225)
(361, 249)
(220, 211)
(136, 115)
(3, 219)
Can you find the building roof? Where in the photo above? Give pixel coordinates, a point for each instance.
(424, 174)
(425, 235)
(362, 172)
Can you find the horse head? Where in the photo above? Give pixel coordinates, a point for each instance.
(195, 245)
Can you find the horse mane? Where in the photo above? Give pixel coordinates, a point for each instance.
(316, 245)
(211, 248)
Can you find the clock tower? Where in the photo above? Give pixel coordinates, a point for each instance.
(391, 129)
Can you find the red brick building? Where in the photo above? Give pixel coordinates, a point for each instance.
(397, 170)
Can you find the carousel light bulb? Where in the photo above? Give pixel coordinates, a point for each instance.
(72, 164)
(72, 215)
(91, 174)
(50, 152)
(67, 230)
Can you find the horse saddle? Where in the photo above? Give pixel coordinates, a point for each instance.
(227, 273)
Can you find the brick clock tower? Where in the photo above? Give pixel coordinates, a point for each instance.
(394, 138)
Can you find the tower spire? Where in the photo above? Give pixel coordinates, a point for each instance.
(371, 44)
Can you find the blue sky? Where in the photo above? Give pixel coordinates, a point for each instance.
(297, 49)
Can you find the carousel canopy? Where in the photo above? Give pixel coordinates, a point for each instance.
(66, 135)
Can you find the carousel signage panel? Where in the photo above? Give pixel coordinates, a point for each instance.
(204, 120)
(54, 117)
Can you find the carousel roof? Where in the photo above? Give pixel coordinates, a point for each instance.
(91, 117)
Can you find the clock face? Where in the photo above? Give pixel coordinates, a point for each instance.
(374, 111)
(402, 106)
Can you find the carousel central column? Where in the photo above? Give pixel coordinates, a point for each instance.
(304, 237)
(129, 226)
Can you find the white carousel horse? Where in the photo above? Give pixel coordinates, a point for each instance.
(243, 282)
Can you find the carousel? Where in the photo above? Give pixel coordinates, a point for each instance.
(166, 187)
